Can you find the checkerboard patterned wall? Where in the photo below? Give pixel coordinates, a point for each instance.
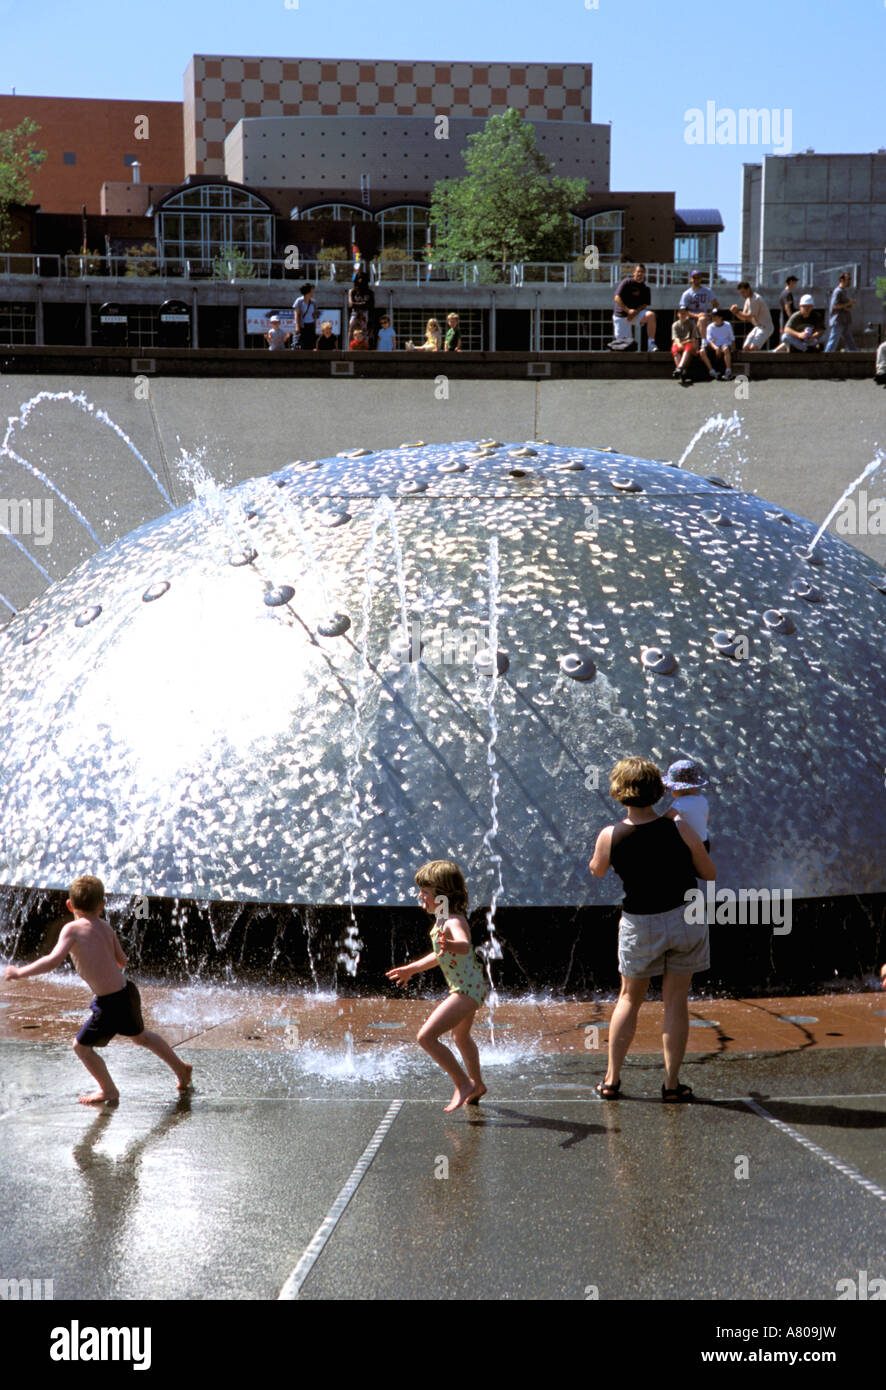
(220, 91)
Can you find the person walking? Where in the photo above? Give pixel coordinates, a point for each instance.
(840, 317)
(786, 301)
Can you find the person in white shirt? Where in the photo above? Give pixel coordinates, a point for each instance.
(720, 340)
(756, 313)
(685, 779)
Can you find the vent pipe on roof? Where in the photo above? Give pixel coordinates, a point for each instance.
(136, 171)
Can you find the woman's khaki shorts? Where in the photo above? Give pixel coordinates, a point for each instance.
(649, 943)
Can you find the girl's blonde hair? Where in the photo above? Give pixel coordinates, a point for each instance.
(636, 782)
(432, 330)
(446, 880)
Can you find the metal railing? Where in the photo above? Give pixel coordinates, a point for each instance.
(808, 273)
(516, 274)
(42, 265)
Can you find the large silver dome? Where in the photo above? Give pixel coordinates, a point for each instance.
(179, 721)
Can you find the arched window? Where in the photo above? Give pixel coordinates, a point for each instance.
(198, 224)
(336, 212)
(605, 230)
(404, 227)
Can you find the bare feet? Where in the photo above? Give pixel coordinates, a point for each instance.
(99, 1098)
(184, 1081)
(476, 1094)
(459, 1098)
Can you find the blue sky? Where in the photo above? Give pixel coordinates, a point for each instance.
(652, 62)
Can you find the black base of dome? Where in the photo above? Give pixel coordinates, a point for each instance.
(833, 943)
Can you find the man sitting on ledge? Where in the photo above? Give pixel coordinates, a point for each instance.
(802, 333)
(632, 300)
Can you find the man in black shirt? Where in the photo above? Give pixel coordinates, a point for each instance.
(786, 300)
(632, 300)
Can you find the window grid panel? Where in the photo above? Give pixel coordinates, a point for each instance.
(410, 323)
(18, 325)
(575, 330)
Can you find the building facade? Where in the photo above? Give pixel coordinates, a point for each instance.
(90, 141)
(824, 210)
(220, 91)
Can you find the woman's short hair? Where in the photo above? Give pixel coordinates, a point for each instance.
(636, 782)
(445, 879)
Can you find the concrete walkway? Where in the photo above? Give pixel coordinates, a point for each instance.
(319, 1162)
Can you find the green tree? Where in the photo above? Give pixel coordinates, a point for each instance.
(18, 157)
(510, 206)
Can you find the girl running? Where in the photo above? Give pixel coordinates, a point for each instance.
(444, 894)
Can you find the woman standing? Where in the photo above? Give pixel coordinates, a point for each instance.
(361, 302)
(657, 860)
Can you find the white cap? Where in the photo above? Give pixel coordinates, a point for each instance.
(807, 299)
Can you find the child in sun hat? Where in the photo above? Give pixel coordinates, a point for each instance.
(685, 779)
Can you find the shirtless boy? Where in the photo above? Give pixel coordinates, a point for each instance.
(98, 959)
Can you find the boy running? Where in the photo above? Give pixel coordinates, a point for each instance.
(99, 960)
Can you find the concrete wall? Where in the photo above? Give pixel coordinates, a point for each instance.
(751, 188)
(828, 208)
(399, 153)
(241, 428)
(220, 91)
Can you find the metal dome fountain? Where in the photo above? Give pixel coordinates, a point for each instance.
(294, 692)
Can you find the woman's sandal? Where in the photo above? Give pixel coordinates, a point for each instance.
(608, 1090)
(678, 1096)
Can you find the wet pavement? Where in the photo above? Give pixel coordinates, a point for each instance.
(772, 1186)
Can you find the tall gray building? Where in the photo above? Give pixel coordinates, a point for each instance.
(821, 209)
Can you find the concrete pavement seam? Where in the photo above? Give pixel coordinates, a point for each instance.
(845, 1168)
(291, 1288)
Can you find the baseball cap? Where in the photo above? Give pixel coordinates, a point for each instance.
(685, 776)
(694, 273)
(807, 299)
(275, 318)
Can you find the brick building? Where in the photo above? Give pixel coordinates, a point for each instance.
(89, 141)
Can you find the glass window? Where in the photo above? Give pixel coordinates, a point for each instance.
(578, 240)
(336, 212)
(411, 323)
(208, 224)
(575, 330)
(18, 324)
(69, 157)
(605, 230)
(405, 228)
(696, 246)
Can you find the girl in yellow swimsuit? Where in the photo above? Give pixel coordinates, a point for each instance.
(443, 893)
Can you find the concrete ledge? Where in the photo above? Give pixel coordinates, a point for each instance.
(514, 366)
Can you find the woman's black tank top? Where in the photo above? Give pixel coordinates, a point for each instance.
(655, 865)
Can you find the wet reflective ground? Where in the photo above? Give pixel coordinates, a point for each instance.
(773, 1186)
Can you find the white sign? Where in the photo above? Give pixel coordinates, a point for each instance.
(258, 321)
